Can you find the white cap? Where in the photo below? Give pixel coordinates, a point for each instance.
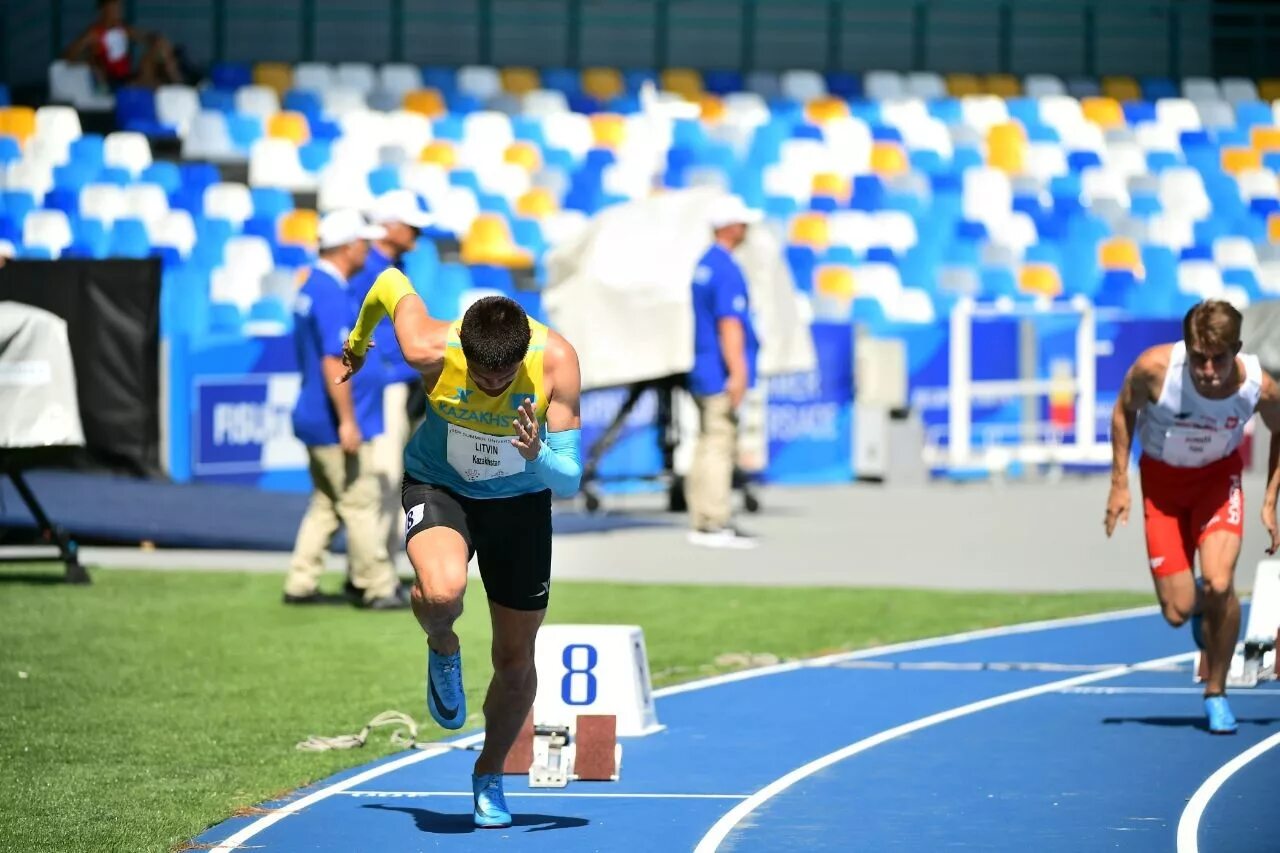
(729, 210)
(346, 226)
(399, 206)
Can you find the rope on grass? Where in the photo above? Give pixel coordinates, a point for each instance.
(405, 736)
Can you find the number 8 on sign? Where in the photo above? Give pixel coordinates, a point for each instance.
(578, 687)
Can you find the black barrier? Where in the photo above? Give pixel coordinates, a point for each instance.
(112, 311)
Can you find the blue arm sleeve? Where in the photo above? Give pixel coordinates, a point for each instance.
(559, 462)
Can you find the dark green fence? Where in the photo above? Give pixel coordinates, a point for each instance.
(1066, 37)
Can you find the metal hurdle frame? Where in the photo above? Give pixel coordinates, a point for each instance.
(1045, 446)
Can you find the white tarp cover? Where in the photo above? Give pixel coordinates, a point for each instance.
(620, 292)
(38, 405)
(1261, 333)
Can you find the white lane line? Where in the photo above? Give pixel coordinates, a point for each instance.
(1166, 691)
(1189, 823)
(712, 840)
(396, 795)
(933, 642)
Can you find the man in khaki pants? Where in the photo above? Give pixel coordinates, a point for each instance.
(403, 218)
(338, 422)
(724, 367)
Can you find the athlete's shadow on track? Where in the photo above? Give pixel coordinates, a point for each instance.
(1187, 722)
(442, 823)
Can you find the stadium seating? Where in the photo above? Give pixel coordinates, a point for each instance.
(893, 193)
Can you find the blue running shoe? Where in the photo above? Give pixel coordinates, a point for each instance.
(491, 810)
(445, 699)
(1221, 720)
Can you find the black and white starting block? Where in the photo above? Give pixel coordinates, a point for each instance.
(1255, 660)
(555, 755)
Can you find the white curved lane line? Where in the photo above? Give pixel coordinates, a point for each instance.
(1189, 824)
(712, 840)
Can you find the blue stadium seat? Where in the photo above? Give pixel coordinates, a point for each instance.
(271, 310)
(271, 201)
(304, 101)
(802, 260)
(164, 173)
(1139, 112)
(134, 103)
(844, 84)
(64, 198)
(289, 256)
(314, 156)
(1155, 88)
(230, 75)
(91, 237)
(441, 78)
(129, 239)
(16, 205)
(1250, 113)
(384, 179)
(4, 95)
(722, 82)
(566, 80)
(264, 227)
(244, 130)
(218, 100)
(10, 150)
(225, 318)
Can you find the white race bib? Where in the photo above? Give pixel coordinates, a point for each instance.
(477, 456)
(1193, 448)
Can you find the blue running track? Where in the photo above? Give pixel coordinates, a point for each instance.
(916, 747)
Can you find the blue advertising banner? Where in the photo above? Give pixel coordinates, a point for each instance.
(809, 417)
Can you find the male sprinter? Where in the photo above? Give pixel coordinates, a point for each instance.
(479, 475)
(1191, 401)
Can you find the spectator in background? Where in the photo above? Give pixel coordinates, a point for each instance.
(403, 218)
(337, 423)
(107, 46)
(724, 367)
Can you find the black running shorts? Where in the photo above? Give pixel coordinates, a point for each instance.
(511, 537)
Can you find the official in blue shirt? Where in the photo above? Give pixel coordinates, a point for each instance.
(337, 424)
(399, 213)
(724, 367)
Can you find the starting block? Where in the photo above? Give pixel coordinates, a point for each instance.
(1256, 660)
(554, 755)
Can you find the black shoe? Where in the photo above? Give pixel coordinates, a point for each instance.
(353, 593)
(315, 597)
(398, 600)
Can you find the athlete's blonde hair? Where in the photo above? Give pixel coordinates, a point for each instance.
(1212, 325)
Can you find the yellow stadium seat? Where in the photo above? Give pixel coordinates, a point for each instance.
(1237, 160)
(19, 122)
(1120, 253)
(429, 102)
(518, 80)
(686, 82)
(298, 227)
(1104, 112)
(277, 75)
(440, 152)
(289, 125)
(524, 154)
(809, 229)
(489, 242)
(825, 109)
(1121, 88)
(537, 203)
(603, 84)
(1007, 147)
(1040, 279)
(1269, 88)
(888, 158)
(712, 108)
(959, 85)
(1273, 228)
(832, 185)
(609, 130)
(1265, 139)
(835, 281)
(1003, 85)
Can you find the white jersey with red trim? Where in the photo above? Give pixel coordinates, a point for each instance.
(1187, 430)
